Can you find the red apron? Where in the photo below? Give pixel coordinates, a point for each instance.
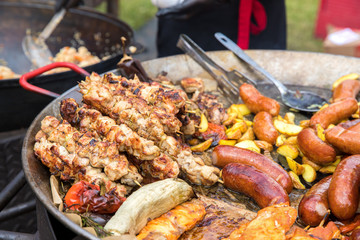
(247, 10)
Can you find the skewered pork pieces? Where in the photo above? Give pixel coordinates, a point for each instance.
(140, 117)
(75, 156)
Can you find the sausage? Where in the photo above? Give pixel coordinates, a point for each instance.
(345, 140)
(334, 113)
(349, 123)
(347, 89)
(255, 184)
(314, 148)
(264, 128)
(343, 192)
(223, 155)
(257, 102)
(355, 235)
(314, 204)
(355, 128)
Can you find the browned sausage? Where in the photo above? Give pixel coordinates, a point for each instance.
(314, 148)
(254, 183)
(223, 155)
(355, 235)
(343, 192)
(334, 113)
(264, 128)
(349, 123)
(347, 89)
(257, 102)
(345, 140)
(314, 204)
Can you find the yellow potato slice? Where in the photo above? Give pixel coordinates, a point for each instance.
(280, 140)
(290, 117)
(320, 132)
(203, 123)
(297, 168)
(248, 135)
(353, 76)
(296, 180)
(305, 160)
(248, 144)
(309, 173)
(227, 142)
(287, 128)
(202, 146)
(288, 150)
(327, 169)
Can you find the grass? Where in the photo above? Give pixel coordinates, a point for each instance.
(301, 17)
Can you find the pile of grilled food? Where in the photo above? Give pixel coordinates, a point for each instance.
(138, 158)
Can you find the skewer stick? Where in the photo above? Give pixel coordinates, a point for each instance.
(137, 183)
(220, 181)
(324, 219)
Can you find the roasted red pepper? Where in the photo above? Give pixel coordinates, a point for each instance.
(85, 197)
(214, 131)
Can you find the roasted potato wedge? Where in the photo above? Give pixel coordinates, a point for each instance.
(287, 128)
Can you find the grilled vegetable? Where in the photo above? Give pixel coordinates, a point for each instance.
(147, 203)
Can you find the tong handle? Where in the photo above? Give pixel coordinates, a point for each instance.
(27, 76)
(194, 51)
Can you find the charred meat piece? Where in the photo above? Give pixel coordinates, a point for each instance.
(192, 85)
(209, 103)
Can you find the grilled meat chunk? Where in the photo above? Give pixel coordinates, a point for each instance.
(192, 85)
(209, 104)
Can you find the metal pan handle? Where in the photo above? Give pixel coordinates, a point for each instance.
(27, 76)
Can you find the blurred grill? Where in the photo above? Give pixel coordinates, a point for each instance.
(22, 216)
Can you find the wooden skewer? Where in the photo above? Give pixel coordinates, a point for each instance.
(324, 219)
(220, 181)
(137, 183)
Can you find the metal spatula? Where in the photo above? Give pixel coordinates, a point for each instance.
(35, 48)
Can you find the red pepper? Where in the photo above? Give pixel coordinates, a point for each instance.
(85, 197)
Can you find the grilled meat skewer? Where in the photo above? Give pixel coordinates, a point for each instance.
(135, 112)
(92, 120)
(158, 165)
(74, 155)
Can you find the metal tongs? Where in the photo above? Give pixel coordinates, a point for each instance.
(228, 81)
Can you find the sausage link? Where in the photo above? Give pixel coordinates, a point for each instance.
(257, 102)
(349, 123)
(264, 127)
(343, 192)
(347, 89)
(255, 184)
(314, 148)
(346, 140)
(314, 204)
(334, 113)
(355, 235)
(223, 155)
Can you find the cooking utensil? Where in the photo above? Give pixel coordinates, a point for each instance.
(301, 100)
(229, 81)
(316, 71)
(75, 29)
(35, 48)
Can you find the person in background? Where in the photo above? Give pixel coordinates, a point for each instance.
(253, 24)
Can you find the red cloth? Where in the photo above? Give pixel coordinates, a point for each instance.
(248, 9)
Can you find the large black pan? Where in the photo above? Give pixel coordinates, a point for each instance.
(312, 70)
(98, 32)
